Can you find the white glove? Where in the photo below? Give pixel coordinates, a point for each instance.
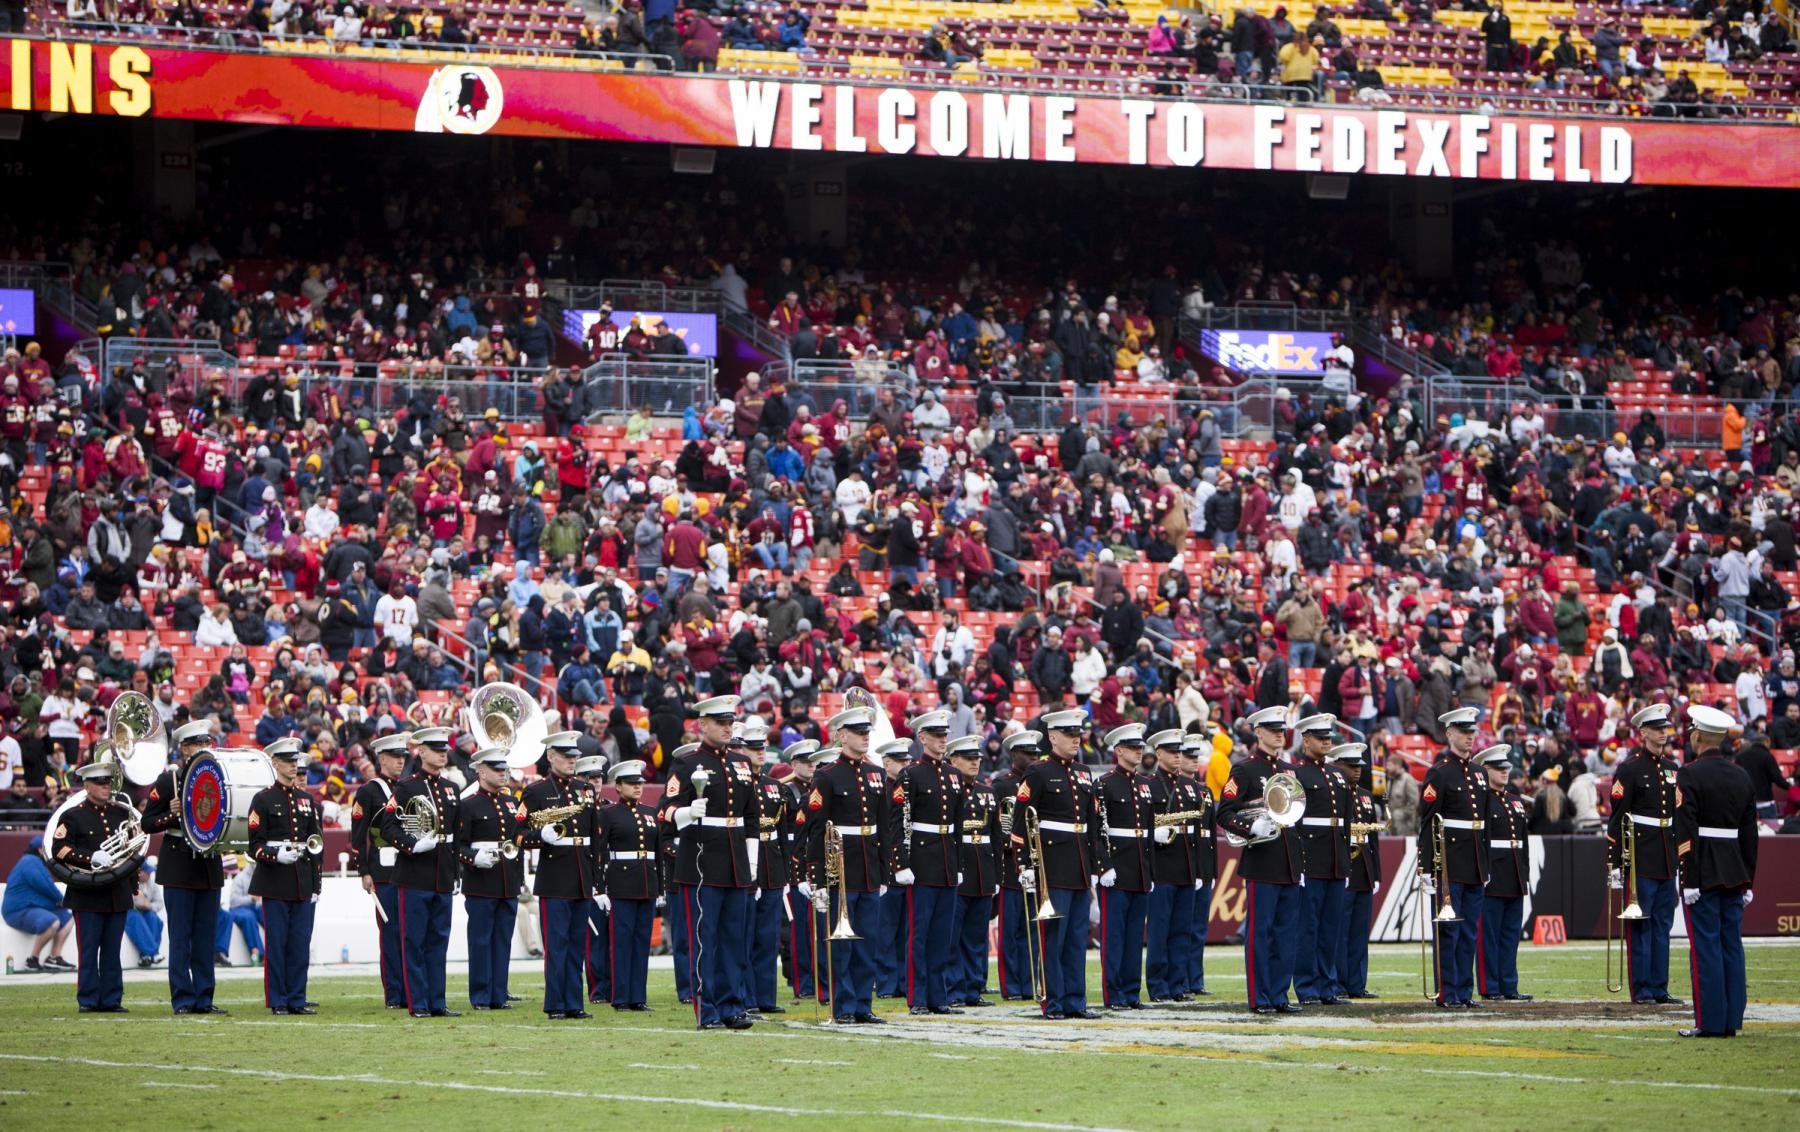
(1302, 880)
(959, 881)
(806, 890)
(1428, 883)
(1198, 885)
(551, 837)
(1615, 879)
(1109, 878)
(287, 854)
(484, 858)
(1264, 827)
(604, 903)
(698, 808)
(904, 877)
(883, 891)
(1749, 895)
(684, 817)
(1164, 834)
(821, 901)
(1690, 895)
(1377, 891)
(101, 859)
(755, 850)
(1027, 878)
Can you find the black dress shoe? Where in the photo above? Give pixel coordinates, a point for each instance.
(479, 1006)
(446, 1014)
(419, 1013)
(184, 1010)
(1118, 1006)
(1334, 1000)
(303, 1010)
(1288, 1008)
(739, 1022)
(976, 1002)
(500, 1006)
(1182, 997)
(1470, 1004)
(1054, 1015)
(870, 1020)
(1516, 997)
(1262, 1010)
(641, 1008)
(919, 1010)
(945, 1010)
(514, 998)
(312, 1004)
(711, 1026)
(771, 1010)
(578, 1015)
(1137, 1006)
(556, 1015)
(1364, 994)
(1309, 1001)
(844, 1020)
(396, 1006)
(1492, 997)
(1202, 992)
(1667, 1000)
(1161, 998)
(1443, 1005)
(1090, 1015)
(221, 960)
(1702, 1034)
(284, 1010)
(209, 1008)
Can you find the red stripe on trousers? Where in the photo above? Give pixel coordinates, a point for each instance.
(1693, 963)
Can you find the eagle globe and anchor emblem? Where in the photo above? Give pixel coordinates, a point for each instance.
(460, 99)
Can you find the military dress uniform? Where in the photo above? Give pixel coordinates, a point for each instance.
(1273, 874)
(1716, 837)
(1203, 854)
(713, 864)
(1127, 851)
(975, 896)
(927, 858)
(893, 935)
(427, 880)
(803, 941)
(629, 844)
(1067, 813)
(1643, 794)
(1456, 791)
(675, 904)
(372, 857)
(1365, 882)
(1018, 939)
(596, 964)
(768, 899)
(485, 820)
(1503, 902)
(191, 883)
(854, 797)
(1325, 858)
(565, 887)
(100, 909)
(284, 817)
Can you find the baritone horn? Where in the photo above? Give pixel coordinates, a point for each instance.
(506, 715)
(1283, 802)
(140, 747)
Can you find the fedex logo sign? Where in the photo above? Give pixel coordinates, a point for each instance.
(1267, 351)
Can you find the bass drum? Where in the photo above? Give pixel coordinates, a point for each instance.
(217, 787)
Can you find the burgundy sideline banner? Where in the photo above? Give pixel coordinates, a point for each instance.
(545, 100)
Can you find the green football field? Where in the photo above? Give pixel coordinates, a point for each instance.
(1573, 1059)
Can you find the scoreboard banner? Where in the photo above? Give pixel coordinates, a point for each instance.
(544, 99)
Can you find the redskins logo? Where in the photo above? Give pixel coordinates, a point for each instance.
(460, 99)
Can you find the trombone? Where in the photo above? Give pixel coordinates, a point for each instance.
(1630, 911)
(1430, 965)
(835, 878)
(1038, 908)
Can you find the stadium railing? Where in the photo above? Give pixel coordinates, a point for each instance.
(617, 384)
(652, 294)
(53, 285)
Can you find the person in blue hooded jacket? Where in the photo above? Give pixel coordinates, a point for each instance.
(461, 319)
(33, 905)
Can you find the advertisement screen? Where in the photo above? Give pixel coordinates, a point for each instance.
(1297, 353)
(699, 331)
(18, 312)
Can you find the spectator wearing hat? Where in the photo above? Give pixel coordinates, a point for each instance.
(34, 905)
(144, 922)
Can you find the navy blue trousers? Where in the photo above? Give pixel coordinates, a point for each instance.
(1502, 922)
(287, 933)
(681, 941)
(1455, 944)
(852, 982)
(393, 963)
(1064, 941)
(193, 929)
(1201, 922)
(1271, 928)
(629, 946)
(1018, 944)
(565, 924)
(490, 934)
(930, 940)
(596, 956)
(1322, 905)
(890, 944)
(720, 918)
(1122, 918)
(100, 982)
(765, 945)
(1647, 941)
(969, 970)
(1170, 927)
(1353, 968)
(1716, 957)
(801, 946)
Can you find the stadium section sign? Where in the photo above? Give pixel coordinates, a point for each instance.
(368, 91)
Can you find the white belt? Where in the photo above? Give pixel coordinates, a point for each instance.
(1459, 823)
(975, 839)
(856, 830)
(633, 856)
(1661, 823)
(926, 827)
(1717, 832)
(722, 823)
(1329, 823)
(1128, 833)
(1506, 845)
(1063, 826)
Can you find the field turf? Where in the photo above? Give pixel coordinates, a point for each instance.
(1574, 1059)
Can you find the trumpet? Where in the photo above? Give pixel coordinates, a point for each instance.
(555, 818)
(1630, 911)
(315, 845)
(1179, 817)
(509, 850)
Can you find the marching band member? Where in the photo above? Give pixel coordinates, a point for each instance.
(1365, 876)
(716, 861)
(565, 873)
(375, 860)
(590, 772)
(487, 820)
(1128, 838)
(1643, 794)
(287, 877)
(1509, 879)
(1171, 914)
(676, 903)
(767, 899)
(191, 883)
(1715, 833)
(99, 909)
(802, 940)
(631, 880)
(426, 872)
(979, 875)
(893, 940)
(1018, 938)
(1271, 868)
(1066, 813)
(1201, 851)
(853, 797)
(1325, 856)
(927, 862)
(1456, 792)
